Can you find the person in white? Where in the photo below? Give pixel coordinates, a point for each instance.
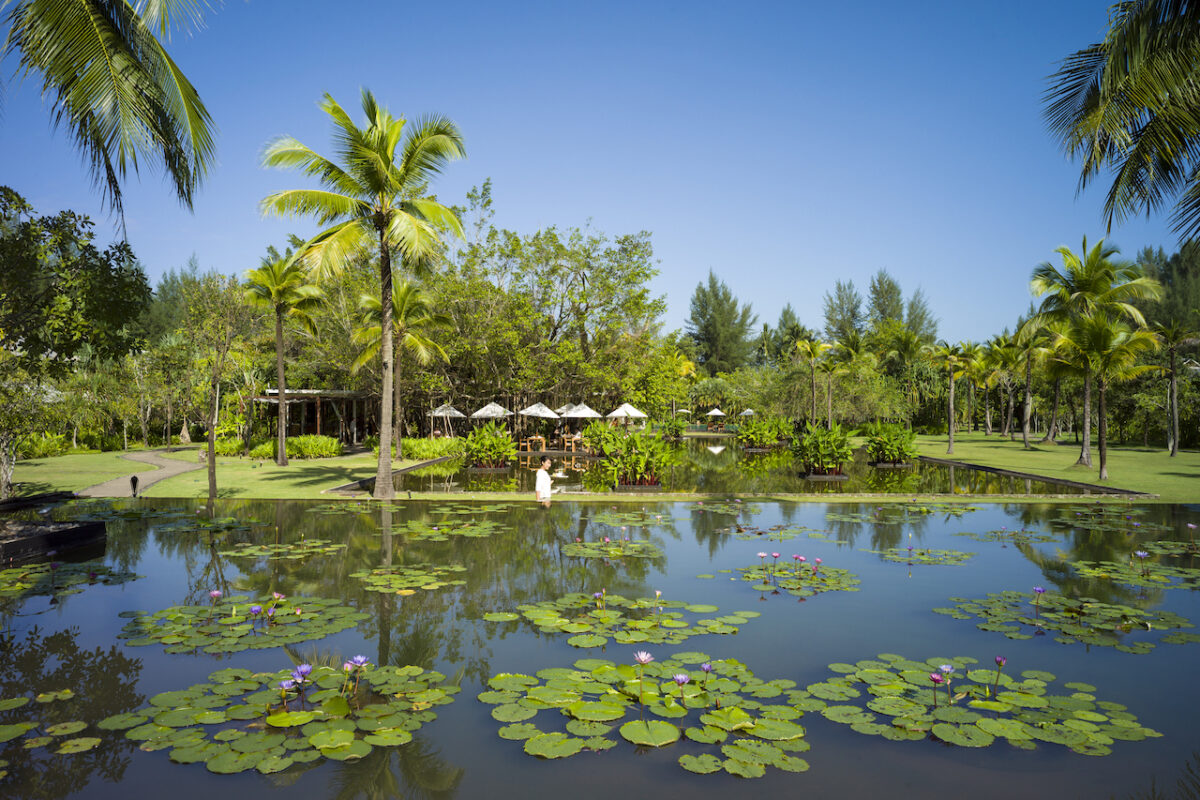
(541, 486)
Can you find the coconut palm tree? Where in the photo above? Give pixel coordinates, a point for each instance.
(1174, 336)
(281, 285)
(112, 84)
(950, 357)
(1110, 349)
(1094, 284)
(412, 317)
(811, 351)
(1130, 105)
(375, 199)
(831, 369)
(973, 361)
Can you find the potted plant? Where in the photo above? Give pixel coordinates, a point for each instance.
(490, 447)
(637, 460)
(823, 451)
(890, 445)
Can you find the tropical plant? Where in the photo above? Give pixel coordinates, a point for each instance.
(832, 370)
(1173, 336)
(810, 351)
(599, 436)
(823, 450)
(949, 357)
(490, 446)
(281, 285)
(671, 427)
(376, 195)
(412, 317)
(757, 433)
(890, 443)
(1094, 285)
(113, 85)
(1129, 104)
(1109, 349)
(637, 460)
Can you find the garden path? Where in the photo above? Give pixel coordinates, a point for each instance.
(163, 468)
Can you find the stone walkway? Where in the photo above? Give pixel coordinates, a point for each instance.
(163, 468)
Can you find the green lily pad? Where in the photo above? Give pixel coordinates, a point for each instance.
(651, 733)
(290, 719)
(553, 745)
(78, 745)
(703, 764)
(65, 728)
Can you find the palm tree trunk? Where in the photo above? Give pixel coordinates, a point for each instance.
(399, 423)
(1027, 406)
(972, 423)
(1052, 428)
(1012, 410)
(1085, 451)
(281, 383)
(987, 411)
(1102, 431)
(812, 371)
(829, 404)
(950, 414)
(1173, 404)
(384, 490)
(212, 440)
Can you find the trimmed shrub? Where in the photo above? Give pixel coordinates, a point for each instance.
(301, 447)
(423, 449)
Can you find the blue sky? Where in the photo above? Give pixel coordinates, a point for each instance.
(782, 145)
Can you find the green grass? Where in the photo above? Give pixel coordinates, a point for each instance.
(1174, 480)
(264, 480)
(70, 473)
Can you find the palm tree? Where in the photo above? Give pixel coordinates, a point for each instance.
(1031, 346)
(113, 85)
(281, 286)
(1095, 284)
(1174, 336)
(973, 363)
(1110, 349)
(376, 196)
(812, 351)
(411, 317)
(831, 369)
(1129, 104)
(949, 356)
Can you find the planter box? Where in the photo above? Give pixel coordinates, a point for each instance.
(889, 465)
(812, 476)
(20, 539)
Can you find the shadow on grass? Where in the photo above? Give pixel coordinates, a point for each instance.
(315, 475)
(28, 488)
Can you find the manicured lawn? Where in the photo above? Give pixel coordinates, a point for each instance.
(1144, 470)
(70, 473)
(300, 479)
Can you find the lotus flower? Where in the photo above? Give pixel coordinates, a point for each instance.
(936, 677)
(360, 661)
(681, 678)
(278, 596)
(1142, 554)
(642, 657)
(286, 685)
(256, 610)
(304, 669)
(947, 669)
(706, 667)
(215, 594)
(775, 555)
(1001, 661)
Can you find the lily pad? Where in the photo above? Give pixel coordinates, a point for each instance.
(651, 733)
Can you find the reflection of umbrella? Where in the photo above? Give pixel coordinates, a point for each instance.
(491, 411)
(447, 410)
(582, 411)
(539, 410)
(749, 412)
(716, 412)
(626, 411)
(562, 411)
(716, 450)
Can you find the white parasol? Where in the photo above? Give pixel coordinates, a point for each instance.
(492, 411)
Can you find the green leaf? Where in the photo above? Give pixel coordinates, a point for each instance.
(553, 745)
(652, 733)
(702, 764)
(290, 719)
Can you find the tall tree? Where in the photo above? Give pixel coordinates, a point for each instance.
(885, 300)
(115, 88)
(281, 286)
(412, 319)
(1092, 284)
(1173, 337)
(1130, 105)
(720, 327)
(843, 312)
(376, 195)
(949, 357)
(1110, 349)
(811, 352)
(919, 318)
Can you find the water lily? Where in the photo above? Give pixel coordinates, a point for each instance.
(937, 679)
(1000, 662)
(642, 657)
(360, 661)
(681, 678)
(1038, 591)
(278, 596)
(255, 610)
(215, 595)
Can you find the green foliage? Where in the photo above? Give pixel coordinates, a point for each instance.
(601, 437)
(720, 327)
(637, 460)
(761, 432)
(671, 427)
(890, 443)
(422, 449)
(490, 445)
(308, 446)
(43, 445)
(822, 450)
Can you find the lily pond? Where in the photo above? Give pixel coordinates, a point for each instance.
(665, 649)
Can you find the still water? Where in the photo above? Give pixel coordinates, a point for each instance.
(519, 557)
(721, 465)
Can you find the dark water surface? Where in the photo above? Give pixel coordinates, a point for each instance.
(72, 644)
(722, 465)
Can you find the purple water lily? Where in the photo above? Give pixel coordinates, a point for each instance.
(681, 678)
(642, 657)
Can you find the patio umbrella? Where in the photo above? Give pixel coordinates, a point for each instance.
(582, 411)
(683, 411)
(564, 409)
(447, 412)
(749, 412)
(492, 411)
(539, 410)
(626, 411)
(716, 412)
